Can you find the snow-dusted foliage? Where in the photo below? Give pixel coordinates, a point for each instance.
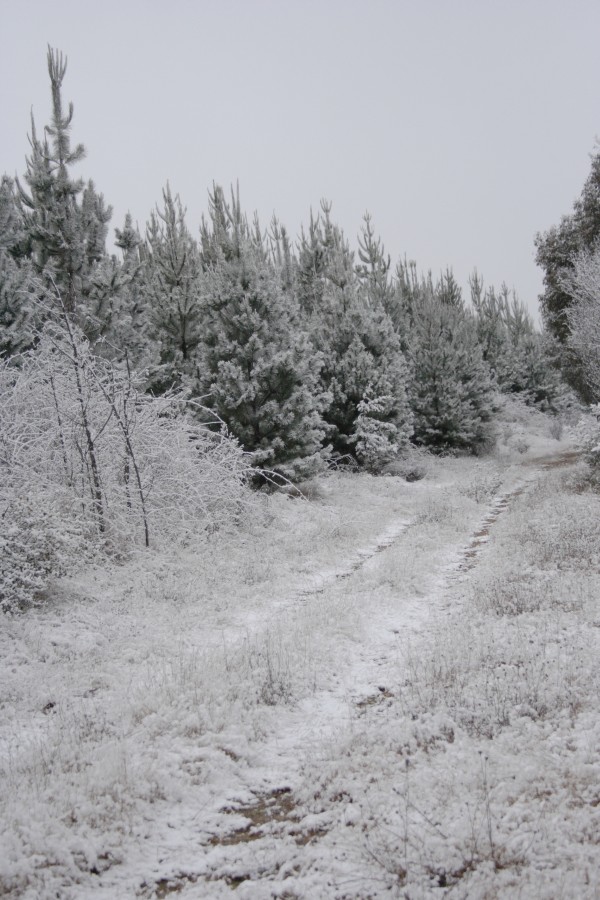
(519, 358)
(172, 293)
(582, 283)
(452, 394)
(257, 369)
(364, 373)
(101, 462)
(302, 352)
(588, 437)
(36, 543)
(65, 220)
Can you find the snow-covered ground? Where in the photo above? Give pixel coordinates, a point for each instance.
(390, 689)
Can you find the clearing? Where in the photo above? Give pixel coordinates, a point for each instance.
(389, 690)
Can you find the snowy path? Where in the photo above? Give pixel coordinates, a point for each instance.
(270, 814)
(180, 735)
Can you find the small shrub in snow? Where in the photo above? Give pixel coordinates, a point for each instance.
(588, 436)
(483, 488)
(555, 429)
(376, 435)
(31, 551)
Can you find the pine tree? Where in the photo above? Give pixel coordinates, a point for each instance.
(12, 232)
(452, 394)
(407, 292)
(19, 305)
(173, 286)
(583, 287)
(556, 253)
(19, 295)
(130, 335)
(558, 247)
(448, 290)
(364, 372)
(373, 270)
(258, 371)
(518, 357)
(490, 319)
(65, 221)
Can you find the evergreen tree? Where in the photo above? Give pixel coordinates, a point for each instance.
(65, 221)
(12, 232)
(131, 336)
(448, 290)
(583, 286)
(408, 292)
(19, 305)
(518, 357)
(258, 371)
(452, 394)
(557, 250)
(558, 247)
(373, 270)
(489, 320)
(19, 295)
(364, 372)
(172, 286)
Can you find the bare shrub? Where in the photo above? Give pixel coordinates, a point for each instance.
(555, 429)
(87, 447)
(513, 595)
(482, 488)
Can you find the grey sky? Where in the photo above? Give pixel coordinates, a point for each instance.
(463, 127)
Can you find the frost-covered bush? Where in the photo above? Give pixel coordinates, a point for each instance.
(35, 544)
(376, 436)
(81, 440)
(587, 435)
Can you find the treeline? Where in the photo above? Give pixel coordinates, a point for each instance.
(569, 255)
(304, 349)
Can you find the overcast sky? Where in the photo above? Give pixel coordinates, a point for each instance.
(462, 126)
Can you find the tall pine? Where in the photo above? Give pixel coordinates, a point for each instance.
(258, 371)
(64, 220)
(364, 372)
(452, 392)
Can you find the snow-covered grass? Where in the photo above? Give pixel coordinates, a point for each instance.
(480, 776)
(435, 722)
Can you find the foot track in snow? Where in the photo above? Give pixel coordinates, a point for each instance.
(480, 538)
(384, 542)
(275, 813)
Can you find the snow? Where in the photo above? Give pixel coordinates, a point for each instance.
(354, 696)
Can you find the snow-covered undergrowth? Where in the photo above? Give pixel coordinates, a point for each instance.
(480, 776)
(146, 706)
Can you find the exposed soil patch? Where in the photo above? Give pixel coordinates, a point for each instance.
(375, 699)
(480, 537)
(277, 807)
(568, 458)
(165, 887)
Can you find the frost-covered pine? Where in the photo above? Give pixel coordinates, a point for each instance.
(19, 315)
(172, 289)
(364, 371)
(582, 285)
(64, 220)
(519, 358)
(452, 393)
(258, 370)
(34, 546)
